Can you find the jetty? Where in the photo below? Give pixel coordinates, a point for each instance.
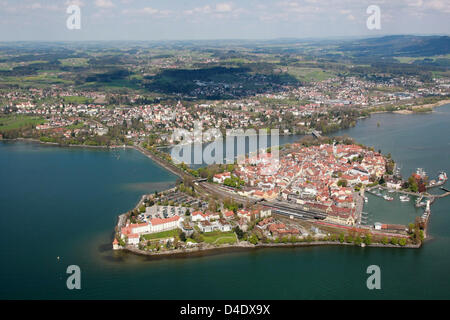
(162, 162)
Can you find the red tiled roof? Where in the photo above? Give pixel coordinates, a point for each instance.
(157, 221)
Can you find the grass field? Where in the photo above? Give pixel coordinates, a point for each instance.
(162, 235)
(217, 237)
(310, 74)
(74, 62)
(412, 59)
(77, 100)
(18, 121)
(43, 78)
(75, 126)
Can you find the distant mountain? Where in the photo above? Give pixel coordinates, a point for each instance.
(395, 46)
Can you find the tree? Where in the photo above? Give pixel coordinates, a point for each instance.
(368, 239)
(183, 236)
(197, 237)
(402, 242)
(253, 239)
(384, 240)
(342, 237)
(342, 183)
(421, 235)
(413, 185)
(394, 241)
(239, 232)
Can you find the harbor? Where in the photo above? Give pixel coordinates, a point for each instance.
(419, 200)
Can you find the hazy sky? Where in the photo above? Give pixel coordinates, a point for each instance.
(210, 19)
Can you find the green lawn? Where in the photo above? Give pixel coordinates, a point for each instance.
(217, 237)
(310, 74)
(162, 235)
(75, 126)
(412, 59)
(12, 122)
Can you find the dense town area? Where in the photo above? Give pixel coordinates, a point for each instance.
(114, 96)
(296, 110)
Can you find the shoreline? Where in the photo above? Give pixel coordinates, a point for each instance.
(209, 249)
(418, 108)
(56, 144)
(197, 252)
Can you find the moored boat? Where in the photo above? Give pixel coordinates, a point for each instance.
(404, 198)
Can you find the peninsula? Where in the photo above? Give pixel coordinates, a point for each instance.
(316, 198)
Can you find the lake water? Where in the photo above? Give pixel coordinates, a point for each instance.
(65, 201)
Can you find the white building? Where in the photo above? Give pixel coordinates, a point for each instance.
(158, 225)
(198, 216)
(220, 177)
(205, 226)
(133, 239)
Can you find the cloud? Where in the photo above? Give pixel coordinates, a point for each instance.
(75, 2)
(204, 10)
(296, 7)
(219, 9)
(439, 5)
(416, 3)
(147, 11)
(104, 4)
(39, 6)
(224, 7)
(419, 7)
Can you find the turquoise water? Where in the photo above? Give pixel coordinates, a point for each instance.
(64, 202)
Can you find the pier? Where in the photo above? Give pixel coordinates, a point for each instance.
(377, 194)
(442, 195)
(316, 134)
(373, 193)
